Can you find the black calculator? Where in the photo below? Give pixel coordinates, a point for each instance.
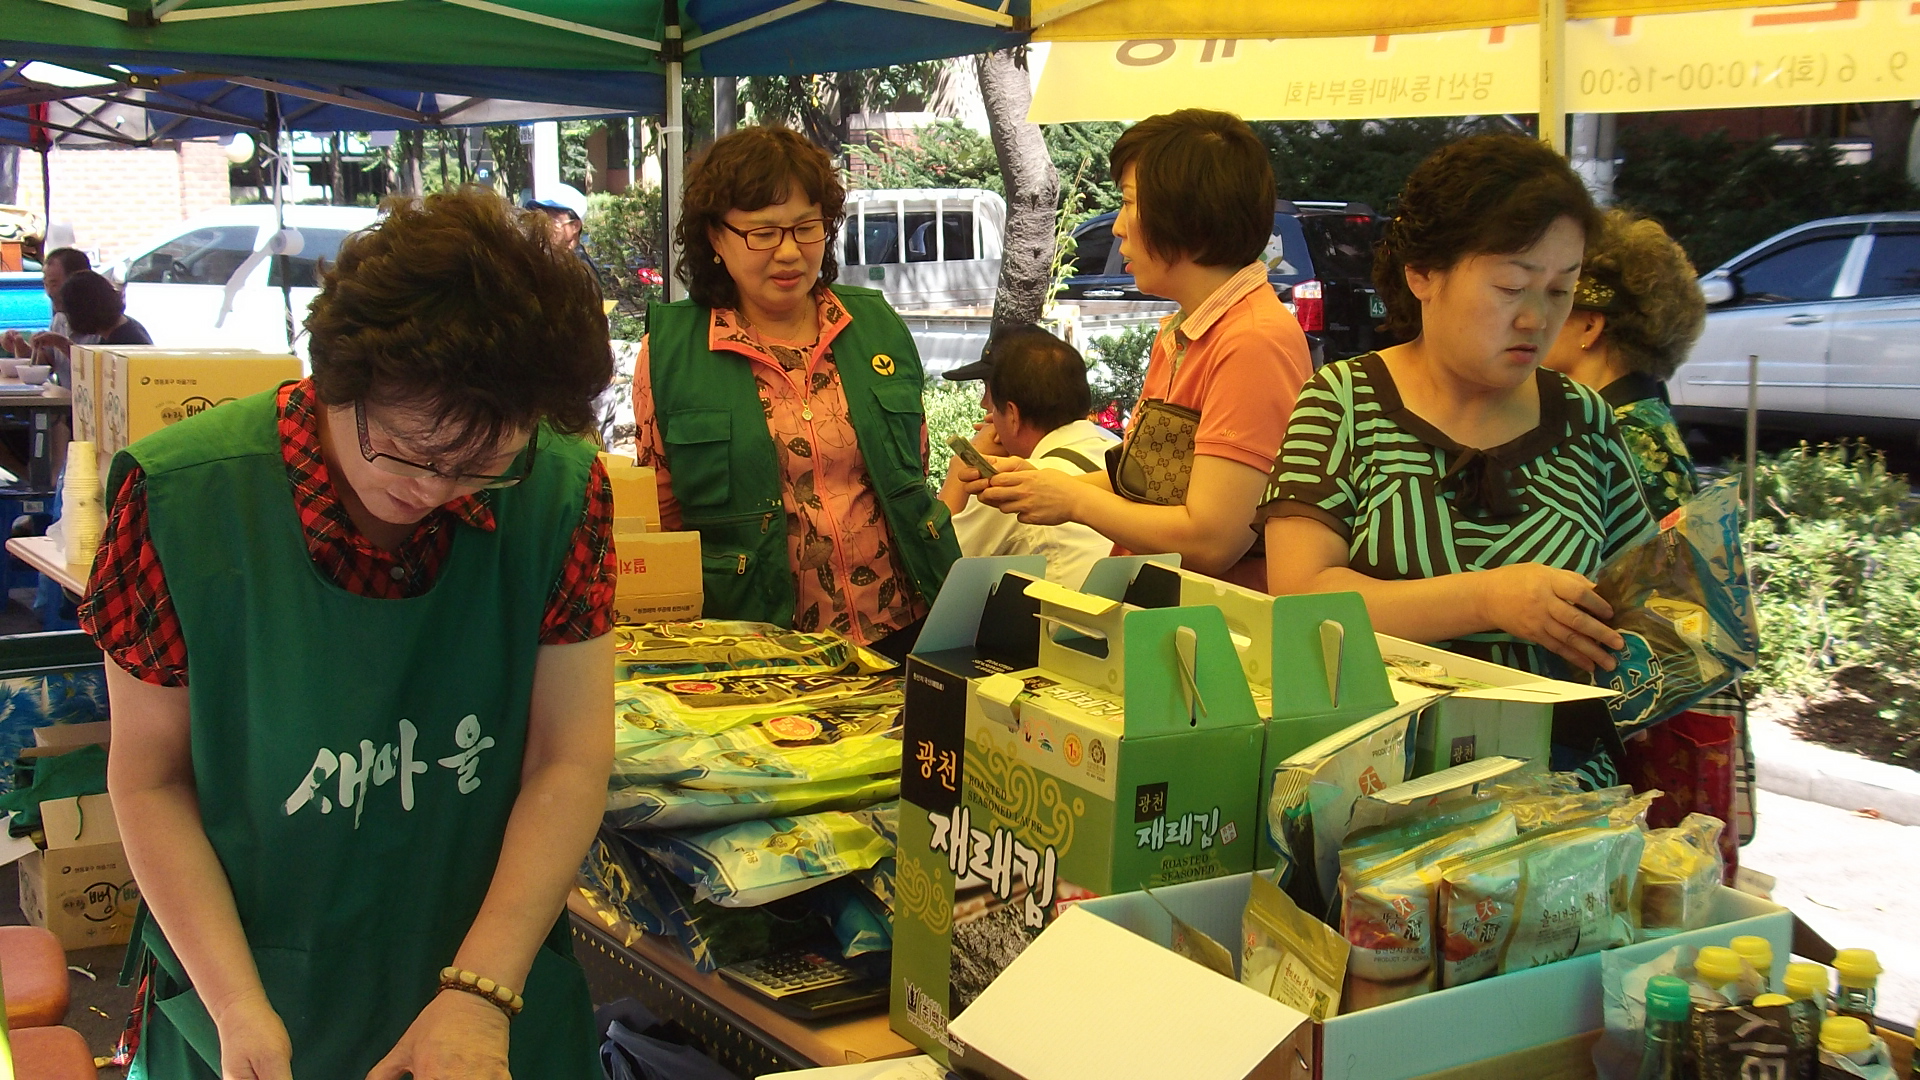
(806, 984)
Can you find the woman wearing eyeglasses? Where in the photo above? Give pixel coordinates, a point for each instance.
(783, 412)
(359, 628)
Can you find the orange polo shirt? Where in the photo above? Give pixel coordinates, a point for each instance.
(1240, 358)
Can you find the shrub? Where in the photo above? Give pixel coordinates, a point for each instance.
(952, 409)
(1117, 365)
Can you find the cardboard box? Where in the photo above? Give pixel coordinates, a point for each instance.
(84, 371)
(659, 576)
(56, 739)
(1455, 1027)
(1489, 709)
(1089, 999)
(80, 887)
(147, 388)
(1054, 753)
(636, 491)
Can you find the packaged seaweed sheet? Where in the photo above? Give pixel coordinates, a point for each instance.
(651, 806)
(828, 742)
(755, 862)
(649, 710)
(717, 645)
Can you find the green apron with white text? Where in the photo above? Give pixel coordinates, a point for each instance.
(356, 759)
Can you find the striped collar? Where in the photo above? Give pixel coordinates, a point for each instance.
(1191, 327)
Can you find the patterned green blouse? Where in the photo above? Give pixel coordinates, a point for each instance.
(1646, 426)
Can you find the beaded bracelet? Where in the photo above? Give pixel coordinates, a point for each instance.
(453, 978)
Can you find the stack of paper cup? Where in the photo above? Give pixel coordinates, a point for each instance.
(82, 518)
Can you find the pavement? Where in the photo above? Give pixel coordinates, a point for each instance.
(1841, 834)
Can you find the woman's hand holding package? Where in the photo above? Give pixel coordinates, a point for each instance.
(1555, 608)
(1036, 496)
(253, 1040)
(458, 1036)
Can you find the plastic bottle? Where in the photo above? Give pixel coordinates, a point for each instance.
(1850, 1038)
(1720, 969)
(1859, 975)
(1668, 1002)
(1757, 951)
(1807, 982)
(1762, 1000)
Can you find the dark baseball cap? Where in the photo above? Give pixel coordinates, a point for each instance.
(979, 369)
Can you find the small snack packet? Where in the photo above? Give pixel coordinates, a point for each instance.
(1388, 914)
(1548, 896)
(1289, 955)
(1311, 805)
(1679, 872)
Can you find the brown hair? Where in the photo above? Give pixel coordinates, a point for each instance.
(71, 260)
(1202, 184)
(1661, 311)
(749, 169)
(459, 305)
(91, 302)
(1485, 195)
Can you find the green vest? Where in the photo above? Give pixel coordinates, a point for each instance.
(356, 758)
(726, 475)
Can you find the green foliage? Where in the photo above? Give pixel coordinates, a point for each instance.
(953, 408)
(623, 233)
(1117, 365)
(1836, 574)
(1847, 482)
(943, 154)
(1080, 151)
(1358, 160)
(1718, 196)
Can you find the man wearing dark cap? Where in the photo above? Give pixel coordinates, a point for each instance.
(1037, 401)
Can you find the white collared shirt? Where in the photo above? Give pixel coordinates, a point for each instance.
(1070, 549)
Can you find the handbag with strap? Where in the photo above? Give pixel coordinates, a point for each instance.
(1155, 463)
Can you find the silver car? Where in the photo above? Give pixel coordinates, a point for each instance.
(1832, 308)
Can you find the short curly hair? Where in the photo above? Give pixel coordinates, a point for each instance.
(1660, 311)
(1484, 195)
(749, 169)
(460, 306)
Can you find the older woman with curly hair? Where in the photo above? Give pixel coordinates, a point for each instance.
(1636, 312)
(773, 397)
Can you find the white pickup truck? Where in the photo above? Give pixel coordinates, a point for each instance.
(177, 281)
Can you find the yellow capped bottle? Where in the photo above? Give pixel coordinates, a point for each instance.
(1859, 971)
(1719, 969)
(1758, 952)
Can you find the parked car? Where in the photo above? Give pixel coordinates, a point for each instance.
(1832, 309)
(176, 282)
(1319, 259)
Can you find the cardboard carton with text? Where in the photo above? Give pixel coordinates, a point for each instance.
(145, 388)
(659, 578)
(80, 886)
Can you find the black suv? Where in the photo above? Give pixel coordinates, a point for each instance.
(1320, 262)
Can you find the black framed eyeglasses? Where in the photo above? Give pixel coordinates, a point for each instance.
(768, 237)
(419, 470)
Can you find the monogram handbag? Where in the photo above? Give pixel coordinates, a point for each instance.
(1155, 463)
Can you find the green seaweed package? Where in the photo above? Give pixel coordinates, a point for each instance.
(827, 743)
(649, 710)
(650, 806)
(721, 645)
(755, 862)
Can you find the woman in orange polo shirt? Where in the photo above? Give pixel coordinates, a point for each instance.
(1196, 213)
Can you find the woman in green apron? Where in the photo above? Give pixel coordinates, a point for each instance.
(361, 675)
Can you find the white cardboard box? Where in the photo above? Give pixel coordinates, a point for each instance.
(1448, 1028)
(1090, 1001)
(80, 887)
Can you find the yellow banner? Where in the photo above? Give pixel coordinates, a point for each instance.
(1852, 50)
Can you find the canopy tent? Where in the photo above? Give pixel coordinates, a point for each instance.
(581, 40)
(187, 105)
(1861, 50)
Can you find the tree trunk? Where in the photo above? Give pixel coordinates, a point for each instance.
(726, 105)
(1891, 125)
(410, 179)
(1033, 190)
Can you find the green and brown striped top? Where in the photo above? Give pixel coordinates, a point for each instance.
(1412, 503)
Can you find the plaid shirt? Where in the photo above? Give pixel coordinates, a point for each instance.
(130, 614)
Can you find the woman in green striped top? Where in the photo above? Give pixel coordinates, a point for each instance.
(1467, 493)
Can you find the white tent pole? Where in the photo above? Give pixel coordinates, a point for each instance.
(674, 153)
(1553, 73)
